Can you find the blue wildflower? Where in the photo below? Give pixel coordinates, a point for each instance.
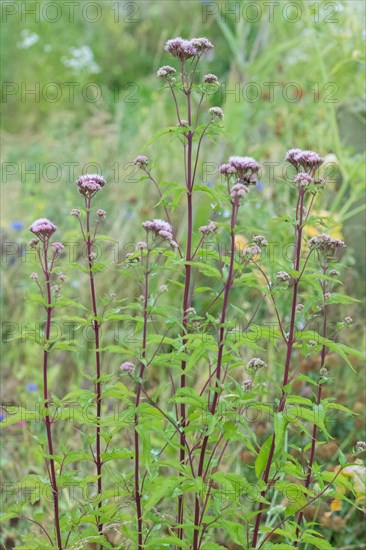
(31, 387)
(259, 185)
(17, 225)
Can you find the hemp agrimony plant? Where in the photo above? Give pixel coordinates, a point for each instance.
(89, 185)
(215, 439)
(47, 255)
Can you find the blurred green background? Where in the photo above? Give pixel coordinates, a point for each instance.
(80, 94)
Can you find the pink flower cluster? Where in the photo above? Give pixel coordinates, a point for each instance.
(303, 179)
(308, 160)
(43, 228)
(127, 366)
(207, 229)
(327, 246)
(89, 184)
(185, 49)
(246, 169)
(162, 229)
(57, 247)
(141, 161)
(244, 164)
(238, 191)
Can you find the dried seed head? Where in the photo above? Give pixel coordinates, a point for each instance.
(210, 79)
(33, 276)
(283, 277)
(101, 213)
(256, 363)
(334, 273)
(323, 372)
(163, 288)
(75, 212)
(348, 320)
(33, 243)
(165, 71)
(247, 385)
(299, 307)
(360, 446)
(216, 113)
(260, 240)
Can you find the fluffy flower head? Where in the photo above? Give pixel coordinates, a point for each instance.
(89, 184)
(43, 228)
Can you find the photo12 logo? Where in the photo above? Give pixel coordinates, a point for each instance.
(70, 11)
(255, 12)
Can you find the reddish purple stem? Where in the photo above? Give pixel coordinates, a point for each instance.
(96, 326)
(318, 400)
(52, 471)
(228, 284)
(138, 495)
(290, 343)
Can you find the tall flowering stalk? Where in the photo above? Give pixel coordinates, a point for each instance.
(328, 251)
(142, 246)
(306, 164)
(244, 172)
(89, 185)
(188, 53)
(163, 232)
(44, 229)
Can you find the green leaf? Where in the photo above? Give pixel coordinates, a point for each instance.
(146, 446)
(190, 397)
(317, 542)
(280, 425)
(206, 269)
(162, 542)
(337, 298)
(161, 487)
(212, 546)
(261, 460)
(76, 456)
(170, 130)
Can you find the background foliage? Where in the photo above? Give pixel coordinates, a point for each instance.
(119, 54)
